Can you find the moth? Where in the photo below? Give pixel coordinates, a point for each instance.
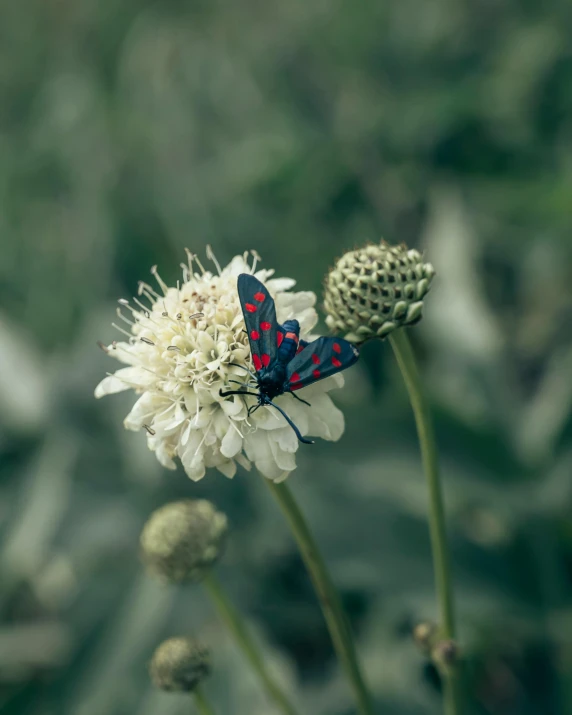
(283, 363)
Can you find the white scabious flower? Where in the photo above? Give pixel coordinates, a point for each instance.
(185, 346)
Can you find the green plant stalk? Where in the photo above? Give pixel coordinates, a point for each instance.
(326, 592)
(441, 563)
(233, 621)
(203, 706)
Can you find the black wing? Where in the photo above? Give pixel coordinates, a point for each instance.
(320, 359)
(260, 319)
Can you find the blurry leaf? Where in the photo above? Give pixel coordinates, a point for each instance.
(24, 379)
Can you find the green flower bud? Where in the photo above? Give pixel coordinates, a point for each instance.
(179, 664)
(376, 289)
(425, 636)
(183, 539)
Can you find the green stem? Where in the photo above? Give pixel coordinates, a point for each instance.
(406, 361)
(232, 619)
(327, 595)
(203, 706)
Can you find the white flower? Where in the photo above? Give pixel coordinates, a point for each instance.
(184, 346)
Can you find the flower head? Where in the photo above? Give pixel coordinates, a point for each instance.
(376, 289)
(186, 343)
(183, 539)
(179, 664)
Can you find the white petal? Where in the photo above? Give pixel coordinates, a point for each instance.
(164, 455)
(171, 420)
(243, 461)
(307, 319)
(258, 450)
(187, 452)
(237, 266)
(185, 434)
(205, 342)
(326, 420)
(281, 478)
(124, 352)
(278, 285)
(124, 379)
(144, 410)
(267, 418)
(286, 439)
(195, 471)
(286, 461)
(233, 406)
(227, 468)
(231, 443)
(296, 411)
(298, 305)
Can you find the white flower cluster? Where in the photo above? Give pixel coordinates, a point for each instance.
(187, 344)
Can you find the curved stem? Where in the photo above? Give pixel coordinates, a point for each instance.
(327, 594)
(437, 527)
(203, 705)
(232, 619)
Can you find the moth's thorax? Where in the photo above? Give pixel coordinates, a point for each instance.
(289, 344)
(271, 381)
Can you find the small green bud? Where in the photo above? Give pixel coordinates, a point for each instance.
(183, 539)
(425, 636)
(376, 289)
(179, 664)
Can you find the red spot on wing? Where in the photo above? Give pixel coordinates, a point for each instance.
(300, 348)
(257, 362)
(259, 297)
(265, 360)
(254, 334)
(315, 359)
(316, 374)
(251, 308)
(337, 348)
(265, 325)
(279, 338)
(296, 386)
(295, 377)
(336, 362)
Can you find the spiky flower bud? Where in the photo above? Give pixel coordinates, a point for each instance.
(183, 539)
(376, 289)
(179, 664)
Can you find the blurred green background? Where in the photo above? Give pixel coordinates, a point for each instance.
(129, 130)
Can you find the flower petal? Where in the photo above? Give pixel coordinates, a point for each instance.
(326, 420)
(123, 379)
(227, 468)
(231, 443)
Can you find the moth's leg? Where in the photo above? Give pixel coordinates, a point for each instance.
(242, 384)
(301, 400)
(296, 430)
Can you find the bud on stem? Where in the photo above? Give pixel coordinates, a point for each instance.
(376, 289)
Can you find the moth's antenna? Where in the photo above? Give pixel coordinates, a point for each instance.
(296, 430)
(237, 392)
(234, 364)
